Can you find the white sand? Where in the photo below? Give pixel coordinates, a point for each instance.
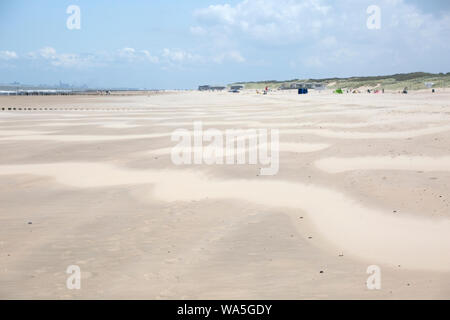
(408, 163)
(363, 232)
(369, 135)
(283, 147)
(83, 138)
(141, 227)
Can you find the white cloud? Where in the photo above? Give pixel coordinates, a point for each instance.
(265, 19)
(325, 34)
(48, 53)
(329, 41)
(56, 59)
(128, 53)
(8, 55)
(178, 55)
(150, 57)
(196, 30)
(234, 56)
(68, 60)
(313, 62)
(133, 55)
(138, 56)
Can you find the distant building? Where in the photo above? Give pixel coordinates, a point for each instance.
(297, 85)
(63, 85)
(211, 88)
(319, 86)
(284, 86)
(301, 85)
(218, 88)
(204, 88)
(237, 87)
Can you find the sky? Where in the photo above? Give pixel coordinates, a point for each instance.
(180, 44)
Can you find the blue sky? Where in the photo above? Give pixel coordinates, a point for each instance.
(182, 44)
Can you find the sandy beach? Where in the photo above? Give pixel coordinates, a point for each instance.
(363, 180)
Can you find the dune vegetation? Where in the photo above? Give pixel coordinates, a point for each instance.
(413, 81)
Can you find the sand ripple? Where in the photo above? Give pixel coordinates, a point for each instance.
(364, 232)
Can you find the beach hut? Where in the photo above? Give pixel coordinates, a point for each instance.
(217, 88)
(319, 87)
(204, 88)
(236, 89)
